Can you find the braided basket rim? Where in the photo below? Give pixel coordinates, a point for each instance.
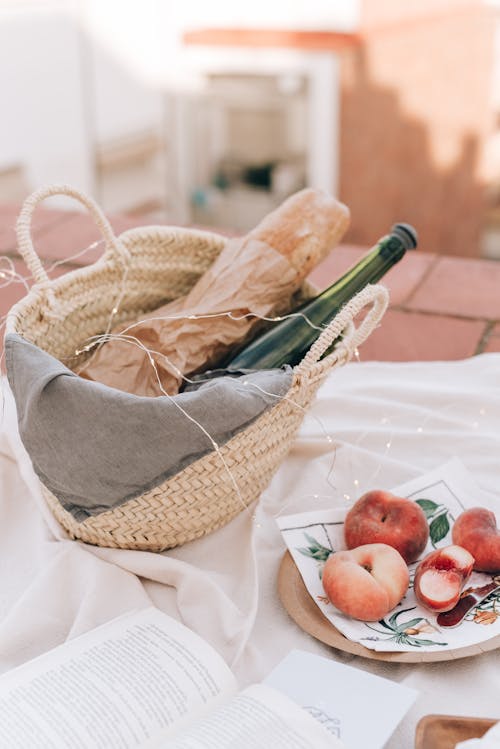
(105, 529)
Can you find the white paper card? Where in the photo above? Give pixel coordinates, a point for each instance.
(443, 494)
(337, 695)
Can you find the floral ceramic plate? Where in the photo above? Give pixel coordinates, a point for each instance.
(304, 611)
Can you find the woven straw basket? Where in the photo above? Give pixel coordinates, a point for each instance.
(161, 264)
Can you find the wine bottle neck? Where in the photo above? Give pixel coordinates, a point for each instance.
(288, 342)
(370, 268)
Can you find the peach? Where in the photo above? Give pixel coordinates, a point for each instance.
(440, 577)
(383, 518)
(366, 582)
(476, 530)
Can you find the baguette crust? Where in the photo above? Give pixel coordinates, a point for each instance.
(304, 228)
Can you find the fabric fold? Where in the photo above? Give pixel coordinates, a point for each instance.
(95, 447)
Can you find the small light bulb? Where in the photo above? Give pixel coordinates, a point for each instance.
(114, 310)
(419, 430)
(387, 444)
(254, 520)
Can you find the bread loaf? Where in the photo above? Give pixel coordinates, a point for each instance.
(254, 276)
(304, 228)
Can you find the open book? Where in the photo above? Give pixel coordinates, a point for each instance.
(144, 680)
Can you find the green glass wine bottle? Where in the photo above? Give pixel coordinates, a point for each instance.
(288, 341)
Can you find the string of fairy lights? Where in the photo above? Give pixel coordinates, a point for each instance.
(9, 275)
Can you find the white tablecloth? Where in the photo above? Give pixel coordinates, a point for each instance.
(389, 423)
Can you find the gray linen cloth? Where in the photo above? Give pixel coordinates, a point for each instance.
(96, 447)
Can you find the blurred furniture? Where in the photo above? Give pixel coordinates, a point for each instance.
(402, 143)
(262, 121)
(389, 105)
(129, 174)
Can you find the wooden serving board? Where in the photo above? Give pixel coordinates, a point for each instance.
(445, 731)
(304, 611)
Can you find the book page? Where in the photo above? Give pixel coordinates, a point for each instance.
(117, 686)
(358, 707)
(257, 717)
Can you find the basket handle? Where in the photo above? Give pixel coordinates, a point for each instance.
(378, 297)
(115, 249)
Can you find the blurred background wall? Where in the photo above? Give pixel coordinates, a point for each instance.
(211, 113)
(418, 114)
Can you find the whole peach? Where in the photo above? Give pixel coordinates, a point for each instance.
(366, 582)
(381, 517)
(440, 577)
(476, 530)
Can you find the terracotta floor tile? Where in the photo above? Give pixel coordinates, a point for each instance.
(123, 223)
(410, 336)
(229, 233)
(401, 280)
(8, 217)
(492, 345)
(78, 233)
(337, 262)
(493, 342)
(451, 287)
(459, 286)
(43, 219)
(12, 288)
